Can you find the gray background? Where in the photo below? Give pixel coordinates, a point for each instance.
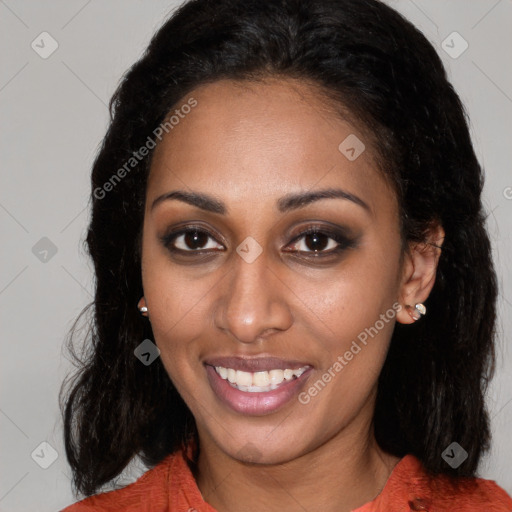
(54, 115)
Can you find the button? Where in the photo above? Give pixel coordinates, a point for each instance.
(418, 504)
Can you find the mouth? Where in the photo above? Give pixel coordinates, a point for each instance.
(258, 382)
(256, 386)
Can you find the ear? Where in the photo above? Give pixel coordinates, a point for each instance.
(419, 271)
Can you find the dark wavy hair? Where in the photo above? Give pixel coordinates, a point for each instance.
(376, 65)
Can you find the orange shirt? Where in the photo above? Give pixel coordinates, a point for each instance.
(171, 487)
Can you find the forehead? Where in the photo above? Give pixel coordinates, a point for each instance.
(261, 140)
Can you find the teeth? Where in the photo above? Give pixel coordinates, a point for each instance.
(261, 379)
(276, 376)
(243, 378)
(258, 381)
(299, 371)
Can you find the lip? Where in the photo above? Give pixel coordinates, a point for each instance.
(255, 364)
(256, 403)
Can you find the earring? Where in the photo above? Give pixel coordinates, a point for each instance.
(142, 309)
(417, 312)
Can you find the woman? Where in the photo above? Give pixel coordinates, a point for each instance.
(289, 195)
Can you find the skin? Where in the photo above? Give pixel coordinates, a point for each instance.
(248, 145)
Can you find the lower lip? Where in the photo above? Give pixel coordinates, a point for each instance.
(257, 403)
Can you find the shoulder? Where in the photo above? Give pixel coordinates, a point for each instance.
(471, 494)
(446, 494)
(151, 487)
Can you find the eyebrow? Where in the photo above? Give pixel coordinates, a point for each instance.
(285, 204)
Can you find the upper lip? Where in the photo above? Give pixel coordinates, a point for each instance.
(255, 364)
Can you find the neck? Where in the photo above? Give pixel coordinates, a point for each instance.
(344, 473)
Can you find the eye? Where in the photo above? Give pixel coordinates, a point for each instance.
(192, 240)
(312, 242)
(316, 242)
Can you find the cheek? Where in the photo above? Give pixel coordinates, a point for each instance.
(352, 362)
(355, 337)
(178, 309)
(177, 306)
(356, 316)
(353, 301)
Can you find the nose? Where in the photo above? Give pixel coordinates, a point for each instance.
(252, 302)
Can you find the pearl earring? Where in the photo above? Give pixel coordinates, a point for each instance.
(417, 312)
(142, 309)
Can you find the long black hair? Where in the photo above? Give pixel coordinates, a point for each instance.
(376, 65)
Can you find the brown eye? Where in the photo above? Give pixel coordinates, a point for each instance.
(316, 241)
(195, 240)
(191, 240)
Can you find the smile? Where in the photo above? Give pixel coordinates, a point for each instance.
(256, 386)
(258, 382)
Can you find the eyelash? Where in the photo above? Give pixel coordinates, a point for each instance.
(342, 241)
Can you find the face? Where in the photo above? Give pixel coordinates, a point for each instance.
(271, 304)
